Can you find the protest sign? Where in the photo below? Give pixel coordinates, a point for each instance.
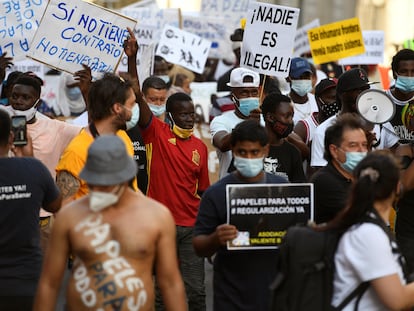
(154, 16)
(268, 39)
(19, 21)
(374, 50)
(232, 10)
(214, 29)
(263, 212)
(183, 48)
(301, 45)
(27, 65)
(75, 33)
(334, 41)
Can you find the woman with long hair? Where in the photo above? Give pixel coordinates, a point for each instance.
(367, 251)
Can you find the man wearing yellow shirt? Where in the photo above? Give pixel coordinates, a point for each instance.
(111, 109)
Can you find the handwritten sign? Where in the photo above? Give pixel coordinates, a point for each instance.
(374, 50)
(19, 21)
(263, 212)
(154, 16)
(27, 65)
(232, 10)
(334, 41)
(183, 48)
(75, 33)
(216, 30)
(268, 39)
(301, 45)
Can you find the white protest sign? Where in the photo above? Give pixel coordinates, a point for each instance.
(268, 39)
(75, 33)
(28, 65)
(374, 50)
(301, 44)
(232, 10)
(214, 29)
(183, 48)
(154, 16)
(19, 21)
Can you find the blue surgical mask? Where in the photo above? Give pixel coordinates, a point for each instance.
(352, 160)
(405, 84)
(134, 118)
(248, 167)
(157, 110)
(248, 104)
(73, 93)
(165, 78)
(301, 87)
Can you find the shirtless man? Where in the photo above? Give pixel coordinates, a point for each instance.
(118, 238)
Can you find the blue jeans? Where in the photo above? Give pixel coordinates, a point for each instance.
(192, 272)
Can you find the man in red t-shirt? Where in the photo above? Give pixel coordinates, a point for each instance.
(177, 174)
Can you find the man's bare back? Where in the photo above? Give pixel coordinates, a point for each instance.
(115, 251)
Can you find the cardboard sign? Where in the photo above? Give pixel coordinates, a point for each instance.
(263, 212)
(374, 50)
(232, 10)
(268, 39)
(154, 16)
(183, 48)
(301, 45)
(19, 21)
(216, 30)
(334, 41)
(75, 33)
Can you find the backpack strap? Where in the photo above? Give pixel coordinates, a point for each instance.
(357, 292)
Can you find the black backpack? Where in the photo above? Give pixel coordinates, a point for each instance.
(304, 280)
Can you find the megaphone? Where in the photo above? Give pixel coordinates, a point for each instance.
(375, 106)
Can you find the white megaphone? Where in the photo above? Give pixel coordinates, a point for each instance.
(375, 106)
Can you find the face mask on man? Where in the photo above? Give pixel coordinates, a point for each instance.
(157, 110)
(352, 160)
(329, 110)
(179, 131)
(99, 200)
(73, 93)
(134, 117)
(301, 87)
(405, 84)
(247, 104)
(248, 167)
(281, 129)
(29, 114)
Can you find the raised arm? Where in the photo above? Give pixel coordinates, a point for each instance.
(131, 50)
(5, 62)
(84, 77)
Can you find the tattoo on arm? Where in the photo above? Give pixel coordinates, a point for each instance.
(67, 183)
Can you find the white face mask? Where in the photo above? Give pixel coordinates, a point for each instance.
(29, 114)
(98, 200)
(301, 87)
(157, 110)
(134, 117)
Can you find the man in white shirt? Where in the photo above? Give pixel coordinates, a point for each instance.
(244, 84)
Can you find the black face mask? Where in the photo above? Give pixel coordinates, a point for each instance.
(330, 110)
(282, 129)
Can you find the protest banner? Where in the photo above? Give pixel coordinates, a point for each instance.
(183, 48)
(19, 21)
(75, 33)
(268, 39)
(332, 42)
(27, 65)
(301, 45)
(374, 50)
(215, 29)
(153, 16)
(263, 212)
(232, 10)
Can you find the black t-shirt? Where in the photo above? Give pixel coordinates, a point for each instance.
(140, 156)
(331, 192)
(241, 277)
(25, 186)
(285, 160)
(404, 225)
